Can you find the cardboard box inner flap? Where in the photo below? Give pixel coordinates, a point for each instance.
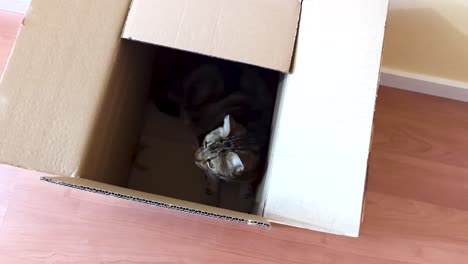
(258, 32)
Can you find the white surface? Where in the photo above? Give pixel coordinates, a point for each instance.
(319, 157)
(17, 6)
(425, 84)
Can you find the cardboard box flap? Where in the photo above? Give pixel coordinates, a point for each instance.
(320, 149)
(157, 200)
(63, 71)
(258, 32)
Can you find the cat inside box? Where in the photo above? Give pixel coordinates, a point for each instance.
(207, 130)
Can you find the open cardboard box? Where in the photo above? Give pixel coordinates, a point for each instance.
(72, 98)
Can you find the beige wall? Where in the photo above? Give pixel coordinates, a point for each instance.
(428, 37)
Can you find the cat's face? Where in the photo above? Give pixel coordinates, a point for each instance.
(226, 152)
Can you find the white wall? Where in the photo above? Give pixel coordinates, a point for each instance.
(428, 37)
(18, 6)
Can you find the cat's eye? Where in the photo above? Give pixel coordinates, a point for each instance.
(210, 164)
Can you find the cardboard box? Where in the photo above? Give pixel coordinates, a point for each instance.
(72, 96)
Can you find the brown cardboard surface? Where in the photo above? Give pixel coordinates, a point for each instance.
(160, 201)
(56, 86)
(118, 122)
(259, 32)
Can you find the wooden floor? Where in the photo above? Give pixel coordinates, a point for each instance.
(416, 210)
(9, 25)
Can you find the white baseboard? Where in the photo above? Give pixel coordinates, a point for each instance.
(425, 84)
(17, 6)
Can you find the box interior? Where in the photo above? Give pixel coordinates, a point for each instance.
(154, 152)
(164, 155)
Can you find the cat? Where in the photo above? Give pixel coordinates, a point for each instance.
(229, 108)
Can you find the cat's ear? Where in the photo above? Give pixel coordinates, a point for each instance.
(227, 126)
(234, 163)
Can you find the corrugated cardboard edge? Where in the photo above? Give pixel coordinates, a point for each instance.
(158, 201)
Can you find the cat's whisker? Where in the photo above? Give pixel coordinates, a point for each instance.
(230, 107)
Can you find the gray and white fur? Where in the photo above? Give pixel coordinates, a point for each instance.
(229, 108)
